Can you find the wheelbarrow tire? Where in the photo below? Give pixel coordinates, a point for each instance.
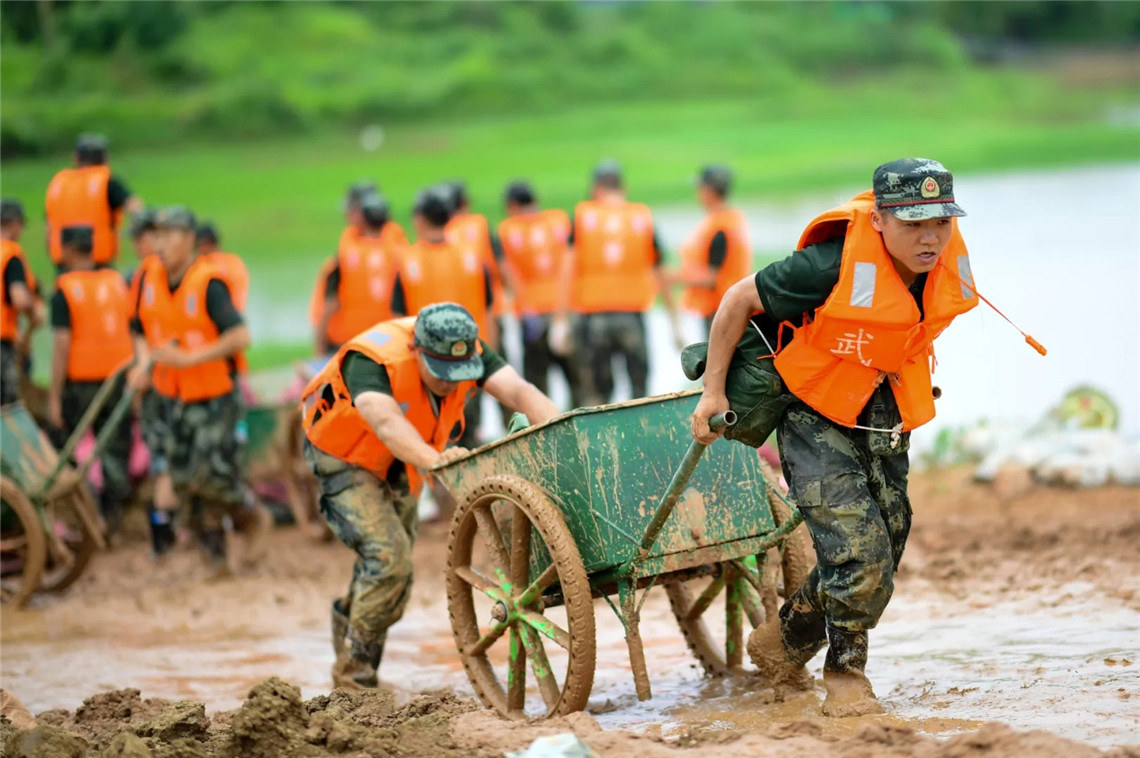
(77, 513)
(34, 548)
(546, 523)
(792, 562)
(796, 555)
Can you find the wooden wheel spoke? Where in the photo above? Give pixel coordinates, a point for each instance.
(734, 627)
(539, 585)
(520, 548)
(58, 552)
(698, 608)
(490, 638)
(516, 674)
(492, 538)
(546, 628)
(479, 582)
(753, 608)
(540, 667)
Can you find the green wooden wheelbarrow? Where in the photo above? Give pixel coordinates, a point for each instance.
(49, 523)
(609, 502)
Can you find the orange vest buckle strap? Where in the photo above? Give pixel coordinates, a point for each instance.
(333, 424)
(870, 325)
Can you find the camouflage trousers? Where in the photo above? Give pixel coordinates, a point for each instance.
(114, 460)
(851, 488)
(9, 373)
(539, 359)
(378, 520)
(206, 446)
(155, 422)
(598, 339)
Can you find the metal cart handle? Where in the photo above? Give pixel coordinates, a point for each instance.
(717, 423)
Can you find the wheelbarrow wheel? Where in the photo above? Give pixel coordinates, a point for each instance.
(75, 536)
(739, 596)
(513, 565)
(23, 545)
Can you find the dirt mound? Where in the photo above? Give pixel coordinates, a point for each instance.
(274, 722)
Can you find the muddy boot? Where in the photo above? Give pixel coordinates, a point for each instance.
(162, 537)
(213, 543)
(255, 523)
(782, 647)
(357, 669)
(784, 672)
(339, 629)
(849, 691)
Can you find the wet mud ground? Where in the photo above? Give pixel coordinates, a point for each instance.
(1015, 604)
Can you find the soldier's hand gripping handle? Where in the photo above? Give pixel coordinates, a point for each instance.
(710, 408)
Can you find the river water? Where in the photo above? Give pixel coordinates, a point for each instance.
(1058, 251)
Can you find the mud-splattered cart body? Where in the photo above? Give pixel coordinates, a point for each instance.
(49, 524)
(601, 503)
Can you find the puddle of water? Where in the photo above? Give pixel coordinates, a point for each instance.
(939, 669)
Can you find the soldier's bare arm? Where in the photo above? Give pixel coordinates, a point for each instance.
(510, 389)
(61, 345)
(383, 414)
(739, 303)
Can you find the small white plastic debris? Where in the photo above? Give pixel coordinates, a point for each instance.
(556, 746)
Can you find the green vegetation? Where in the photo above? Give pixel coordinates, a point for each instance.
(163, 72)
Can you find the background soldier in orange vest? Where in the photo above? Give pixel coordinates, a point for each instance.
(188, 311)
(157, 401)
(377, 418)
(88, 195)
(433, 270)
(90, 320)
(232, 268)
(330, 332)
(472, 232)
(612, 276)
(717, 254)
(534, 251)
(358, 289)
(18, 298)
(873, 283)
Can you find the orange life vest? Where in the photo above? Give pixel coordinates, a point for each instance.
(332, 423)
(613, 258)
(367, 274)
(695, 259)
(182, 316)
(232, 270)
(534, 248)
(151, 306)
(392, 236)
(100, 308)
(79, 196)
(9, 318)
(870, 329)
(471, 233)
(438, 272)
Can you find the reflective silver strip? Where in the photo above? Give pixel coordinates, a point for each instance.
(966, 277)
(863, 288)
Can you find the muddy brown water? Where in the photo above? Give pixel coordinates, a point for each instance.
(1022, 608)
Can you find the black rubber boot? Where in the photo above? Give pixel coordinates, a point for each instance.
(803, 628)
(849, 692)
(162, 537)
(110, 506)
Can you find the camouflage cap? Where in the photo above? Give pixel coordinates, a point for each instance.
(176, 217)
(91, 146)
(206, 231)
(144, 221)
(448, 337)
(11, 210)
(608, 173)
(914, 189)
(434, 204)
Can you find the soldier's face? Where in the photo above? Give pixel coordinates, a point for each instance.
(144, 244)
(431, 381)
(354, 216)
(915, 245)
(174, 247)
